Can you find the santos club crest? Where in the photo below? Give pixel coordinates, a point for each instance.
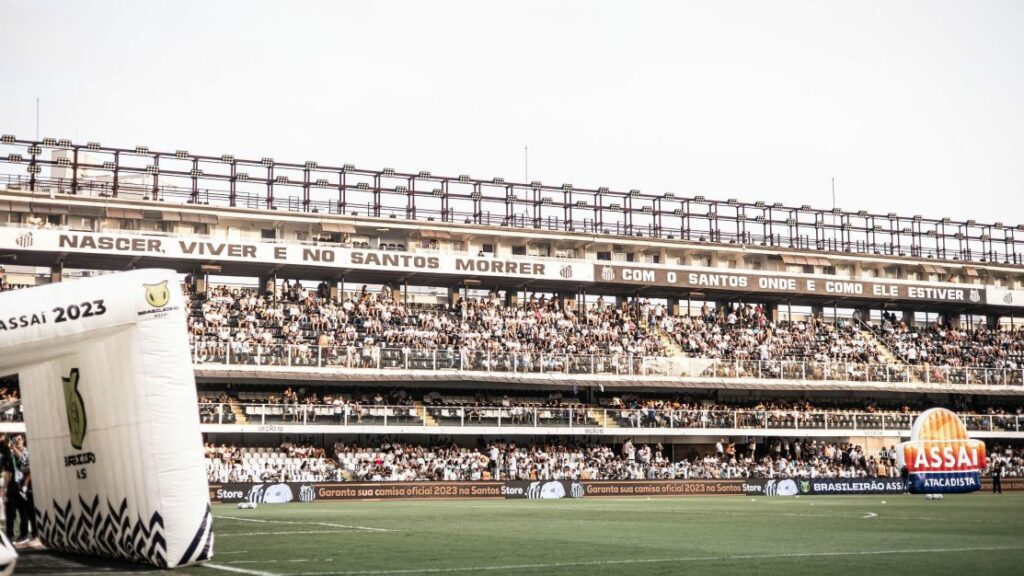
(75, 409)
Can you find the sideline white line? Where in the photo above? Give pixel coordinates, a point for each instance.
(293, 523)
(288, 533)
(290, 561)
(115, 572)
(238, 570)
(752, 512)
(870, 515)
(693, 512)
(658, 561)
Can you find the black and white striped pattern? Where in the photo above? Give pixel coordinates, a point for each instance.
(8, 555)
(201, 547)
(108, 531)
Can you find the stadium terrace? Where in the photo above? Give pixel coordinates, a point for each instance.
(543, 332)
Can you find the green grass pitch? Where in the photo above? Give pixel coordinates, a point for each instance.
(964, 534)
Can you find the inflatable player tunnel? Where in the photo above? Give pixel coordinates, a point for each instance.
(115, 451)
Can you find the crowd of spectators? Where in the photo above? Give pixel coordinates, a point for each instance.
(943, 345)
(307, 405)
(241, 321)
(289, 462)
(744, 332)
(509, 461)
(362, 327)
(393, 461)
(639, 412)
(216, 410)
(356, 405)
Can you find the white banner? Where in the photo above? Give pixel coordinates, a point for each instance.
(44, 240)
(997, 296)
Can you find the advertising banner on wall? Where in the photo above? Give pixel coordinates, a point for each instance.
(264, 493)
(181, 248)
(233, 493)
(822, 486)
(543, 489)
(467, 265)
(783, 284)
(283, 492)
(662, 487)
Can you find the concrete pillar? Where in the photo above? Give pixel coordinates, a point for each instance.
(908, 317)
(818, 310)
(992, 321)
(565, 300)
(56, 272)
(951, 319)
(722, 307)
(676, 307)
(452, 291)
(264, 284)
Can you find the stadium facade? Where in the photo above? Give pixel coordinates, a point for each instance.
(69, 210)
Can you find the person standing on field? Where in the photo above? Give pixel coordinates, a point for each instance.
(17, 489)
(997, 476)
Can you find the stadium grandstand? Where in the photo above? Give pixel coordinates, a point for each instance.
(376, 325)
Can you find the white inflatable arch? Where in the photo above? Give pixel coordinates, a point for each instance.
(109, 398)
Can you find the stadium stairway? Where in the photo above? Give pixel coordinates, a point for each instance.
(237, 410)
(890, 357)
(602, 418)
(428, 420)
(671, 348)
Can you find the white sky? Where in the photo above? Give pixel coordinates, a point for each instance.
(914, 107)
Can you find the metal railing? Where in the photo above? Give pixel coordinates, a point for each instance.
(583, 417)
(612, 222)
(654, 367)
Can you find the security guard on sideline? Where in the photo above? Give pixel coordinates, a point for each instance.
(997, 476)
